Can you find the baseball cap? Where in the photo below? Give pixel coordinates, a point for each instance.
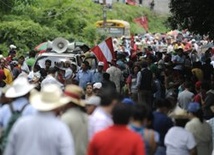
(101, 63)
(193, 107)
(128, 101)
(93, 100)
(97, 85)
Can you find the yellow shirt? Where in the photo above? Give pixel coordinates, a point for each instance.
(9, 77)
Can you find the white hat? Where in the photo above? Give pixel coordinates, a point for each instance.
(193, 40)
(19, 87)
(97, 85)
(12, 47)
(93, 100)
(179, 113)
(101, 63)
(50, 98)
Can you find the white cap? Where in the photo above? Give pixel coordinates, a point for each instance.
(12, 47)
(101, 63)
(93, 100)
(193, 40)
(97, 85)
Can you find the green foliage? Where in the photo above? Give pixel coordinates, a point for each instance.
(195, 15)
(30, 22)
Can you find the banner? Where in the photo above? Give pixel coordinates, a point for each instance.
(104, 52)
(142, 21)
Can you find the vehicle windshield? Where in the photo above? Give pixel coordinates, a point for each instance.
(54, 60)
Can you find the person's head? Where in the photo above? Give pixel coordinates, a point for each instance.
(106, 76)
(139, 113)
(194, 110)
(100, 66)
(36, 68)
(180, 117)
(21, 60)
(92, 103)
(136, 69)
(97, 86)
(2, 62)
(108, 97)
(32, 54)
(89, 89)
(67, 64)
(163, 105)
(121, 114)
(85, 65)
(47, 64)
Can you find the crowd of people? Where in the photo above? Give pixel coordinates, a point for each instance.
(156, 98)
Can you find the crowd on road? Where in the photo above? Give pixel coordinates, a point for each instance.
(156, 98)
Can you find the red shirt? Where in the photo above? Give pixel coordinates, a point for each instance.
(116, 140)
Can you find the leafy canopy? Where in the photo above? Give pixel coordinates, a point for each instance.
(194, 15)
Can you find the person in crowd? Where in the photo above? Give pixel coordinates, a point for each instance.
(75, 118)
(35, 76)
(144, 85)
(197, 72)
(22, 64)
(116, 75)
(117, 139)
(97, 88)
(208, 103)
(31, 59)
(16, 70)
(68, 73)
(162, 123)
(98, 73)
(42, 133)
(9, 78)
(92, 103)
(88, 90)
(137, 124)
(107, 83)
(44, 71)
(2, 77)
(11, 56)
(178, 140)
(101, 118)
(132, 83)
(19, 93)
(207, 70)
(51, 78)
(200, 129)
(84, 75)
(186, 96)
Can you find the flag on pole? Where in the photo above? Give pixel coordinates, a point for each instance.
(104, 52)
(142, 21)
(131, 2)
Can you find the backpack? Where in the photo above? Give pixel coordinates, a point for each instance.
(5, 133)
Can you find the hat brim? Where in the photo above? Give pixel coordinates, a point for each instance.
(37, 102)
(77, 102)
(12, 93)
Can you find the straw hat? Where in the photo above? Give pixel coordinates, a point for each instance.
(179, 113)
(74, 92)
(19, 87)
(50, 98)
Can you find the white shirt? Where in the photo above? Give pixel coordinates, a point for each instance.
(98, 121)
(179, 141)
(184, 98)
(40, 134)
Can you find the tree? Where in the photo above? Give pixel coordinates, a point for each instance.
(194, 15)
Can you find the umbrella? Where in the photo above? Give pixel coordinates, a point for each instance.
(41, 46)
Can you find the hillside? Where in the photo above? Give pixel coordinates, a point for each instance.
(27, 25)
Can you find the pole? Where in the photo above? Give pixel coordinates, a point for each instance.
(104, 14)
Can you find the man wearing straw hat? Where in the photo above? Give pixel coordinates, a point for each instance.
(42, 133)
(19, 93)
(76, 119)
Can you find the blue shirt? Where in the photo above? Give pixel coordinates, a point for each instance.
(83, 77)
(162, 123)
(5, 112)
(40, 134)
(97, 76)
